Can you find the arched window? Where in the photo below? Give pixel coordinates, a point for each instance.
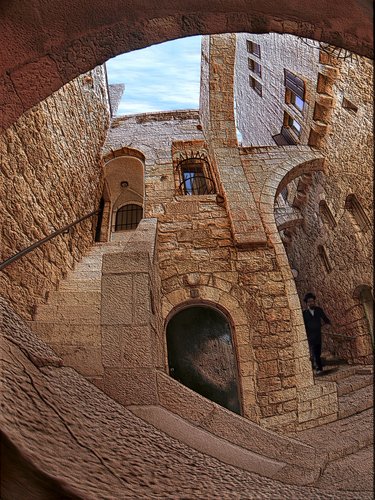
(128, 217)
(324, 257)
(201, 355)
(326, 214)
(355, 208)
(195, 177)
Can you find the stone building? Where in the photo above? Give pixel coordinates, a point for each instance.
(195, 230)
(308, 96)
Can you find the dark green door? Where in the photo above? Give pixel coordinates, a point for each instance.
(201, 355)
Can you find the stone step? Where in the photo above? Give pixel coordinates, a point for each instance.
(356, 402)
(276, 461)
(335, 373)
(353, 383)
(74, 298)
(341, 438)
(93, 284)
(83, 275)
(89, 314)
(364, 369)
(101, 248)
(81, 334)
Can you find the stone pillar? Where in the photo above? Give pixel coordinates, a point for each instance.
(247, 227)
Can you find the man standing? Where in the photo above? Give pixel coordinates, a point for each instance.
(314, 317)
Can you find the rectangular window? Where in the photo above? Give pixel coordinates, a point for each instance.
(253, 48)
(255, 85)
(293, 124)
(194, 177)
(255, 67)
(294, 100)
(295, 84)
(194, 180)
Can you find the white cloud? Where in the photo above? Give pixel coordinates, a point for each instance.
(159, 78)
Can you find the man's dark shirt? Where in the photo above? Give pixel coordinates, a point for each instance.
(313, 324)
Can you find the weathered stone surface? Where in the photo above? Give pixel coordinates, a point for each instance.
(51, 176)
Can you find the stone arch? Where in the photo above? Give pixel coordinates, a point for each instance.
(297, 163)
(241, 334)
(45, 50)
(124, 173)
(207, 362)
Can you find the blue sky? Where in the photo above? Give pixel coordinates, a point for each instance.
(159, 78)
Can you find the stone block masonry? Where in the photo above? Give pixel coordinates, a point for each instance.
(50, 176)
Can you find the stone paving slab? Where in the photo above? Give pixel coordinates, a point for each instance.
(53, 415)
(342, 437)
(352, 472)
(356, 402)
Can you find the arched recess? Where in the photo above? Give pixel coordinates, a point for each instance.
(124, 180)
(202, 354)
(364, 295)
(46, 48)
(219, 298)
(355, 208)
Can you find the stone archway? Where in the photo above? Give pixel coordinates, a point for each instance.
(43, 49)
(124, 181)
(202, 355)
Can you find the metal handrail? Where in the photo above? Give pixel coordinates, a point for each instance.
(44, 240)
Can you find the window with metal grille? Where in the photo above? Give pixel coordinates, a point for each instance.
(194, 174)
(257, 86)
(253, 48)
(255, 67)
(128, 217)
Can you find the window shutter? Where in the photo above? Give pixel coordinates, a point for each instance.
(295, 84)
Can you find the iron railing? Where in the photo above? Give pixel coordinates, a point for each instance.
(37, 244)
(196, 185)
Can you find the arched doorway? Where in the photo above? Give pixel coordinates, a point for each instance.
(201, 354)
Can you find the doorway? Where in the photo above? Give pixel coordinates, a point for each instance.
(201, 355)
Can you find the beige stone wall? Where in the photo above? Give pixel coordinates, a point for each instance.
(348, 148)
(260, 117)
(51, 175)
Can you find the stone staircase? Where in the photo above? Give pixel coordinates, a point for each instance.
(354, 387)
(69, 321)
